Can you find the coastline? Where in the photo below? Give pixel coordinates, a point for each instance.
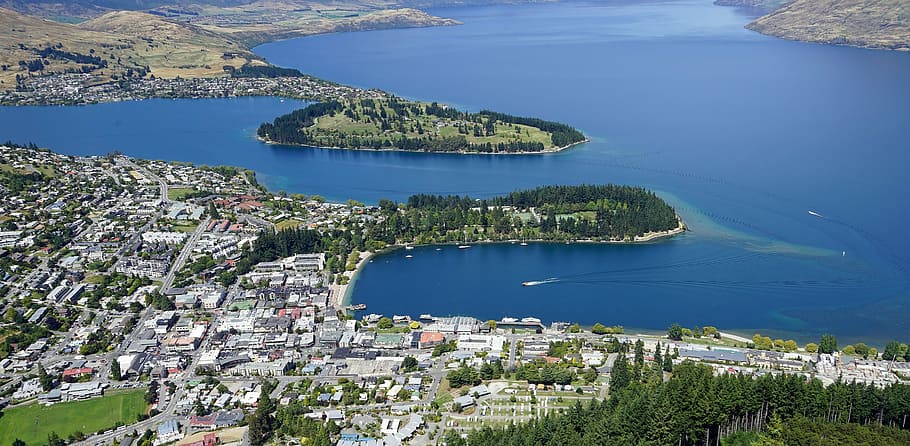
(342, 294)
(461, 152)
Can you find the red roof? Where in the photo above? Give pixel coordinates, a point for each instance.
(431, 336)
(77, 371)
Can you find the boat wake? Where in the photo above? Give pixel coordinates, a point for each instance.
(540, 282)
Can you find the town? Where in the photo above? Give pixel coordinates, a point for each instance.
(74, 89)
(135, 289)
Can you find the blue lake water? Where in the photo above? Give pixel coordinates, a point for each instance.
(743, 133)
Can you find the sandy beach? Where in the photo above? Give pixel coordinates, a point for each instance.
(339, 297)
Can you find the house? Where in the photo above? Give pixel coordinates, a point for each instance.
(430, 339)
(167, 432)
(74, 374)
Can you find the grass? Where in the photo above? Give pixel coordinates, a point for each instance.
(177, 193)
(328, 126)
(289, 223)
(33, 423)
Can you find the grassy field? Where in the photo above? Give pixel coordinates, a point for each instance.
(33, 423)
(419, 126)
(289, 223)
(177, 193)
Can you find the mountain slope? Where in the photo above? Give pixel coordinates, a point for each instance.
(862, 23)
(112, 46)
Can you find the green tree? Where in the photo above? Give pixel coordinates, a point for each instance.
(620, 376)
(892, 351)
(811, 347)
(409, 364)
(18, 442)
(385, 323)
(116, 374)
(46, 380)
(668, 360)
(828, 344)
(675, 332)
(590, 374)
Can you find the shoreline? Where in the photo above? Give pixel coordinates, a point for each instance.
(461, 152)
(347, 291)
(341, 294)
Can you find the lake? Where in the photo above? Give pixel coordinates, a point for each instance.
(742, 133)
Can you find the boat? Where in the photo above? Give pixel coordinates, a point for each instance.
(439, 249)
(409, 247)
(426, 317)
(464, 246)
(409, 256)
(523, 244)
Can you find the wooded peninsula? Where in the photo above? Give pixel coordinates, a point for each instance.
(551, 213)
(396, 124)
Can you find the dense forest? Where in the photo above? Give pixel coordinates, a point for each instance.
(248, 70)
(695, 407)
(601, 212)
(377, 124)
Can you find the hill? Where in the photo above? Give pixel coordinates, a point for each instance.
(862, 23)
(113, 46)
(267, 20)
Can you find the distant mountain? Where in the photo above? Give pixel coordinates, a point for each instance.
(100, 6)
(862, 23)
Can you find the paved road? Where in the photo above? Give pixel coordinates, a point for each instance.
(184, 254)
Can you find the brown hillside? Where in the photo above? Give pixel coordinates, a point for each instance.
(863, 23)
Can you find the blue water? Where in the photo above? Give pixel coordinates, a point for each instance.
(743, 133)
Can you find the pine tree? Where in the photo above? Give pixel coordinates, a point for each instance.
(620, 376)
(668, 361)
(116, 374)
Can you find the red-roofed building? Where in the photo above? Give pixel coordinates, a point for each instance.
(73, 374)
(430, 339)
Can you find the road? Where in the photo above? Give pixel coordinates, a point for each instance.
(184, 254)
(131, 244)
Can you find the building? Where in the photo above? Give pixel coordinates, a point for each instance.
(167, 432)
(82, 391)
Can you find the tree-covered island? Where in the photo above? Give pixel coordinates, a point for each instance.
(397, 124)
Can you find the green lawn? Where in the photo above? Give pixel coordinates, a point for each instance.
(289, 223)
(33, 423)
(177, 193)
(370, 128)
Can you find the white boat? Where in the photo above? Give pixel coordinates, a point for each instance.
(464, 246)
(539, 282)
(523, 244)
(409, 247)
(409, 256)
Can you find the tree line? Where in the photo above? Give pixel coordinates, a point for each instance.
(579, 212)
(696, 407)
